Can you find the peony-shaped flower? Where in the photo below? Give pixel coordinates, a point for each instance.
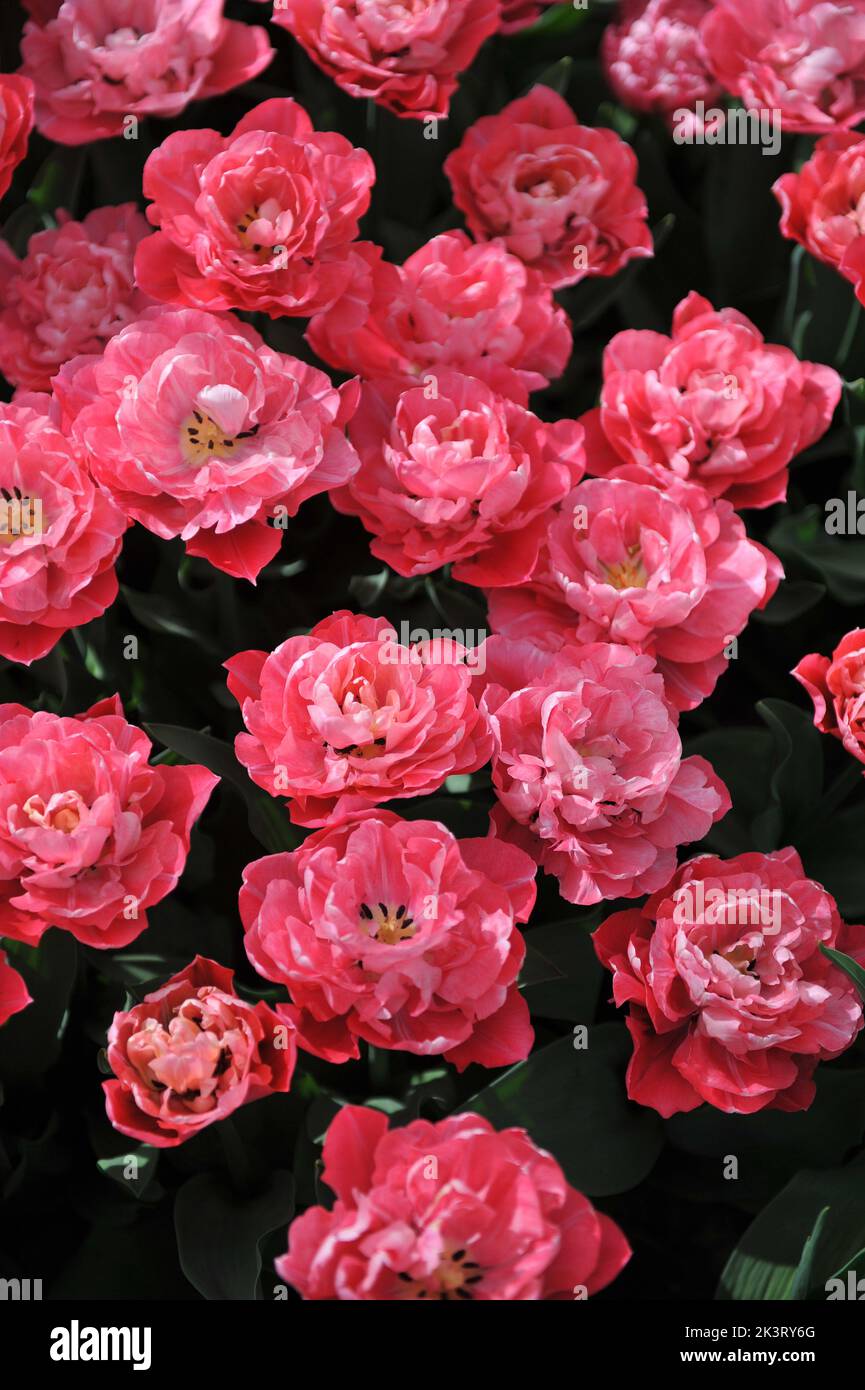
(190, 1054)
(731, 999)
(396, 932)
(404, 56)
(670, 572)
(97, 64)
(16, 122)
(836, 685)
(805, 60)
(73, 290)
(562, 196)
(588, 767)
(654, 57)
(452, 304)
(199, 430)
(453, 1210)
(823, 205)
(713, 403)
(59, 536)
(263, 219)
(91, 836)
(348, 717)
(452, 473)
(13, 991)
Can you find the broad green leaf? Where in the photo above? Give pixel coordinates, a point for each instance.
(572, 1102)
(764, 1264)
(268, 819)
(773, 1145)
(804, 1273)
(797, 780)
(562, 975)
(793, 598)
(218, 1233)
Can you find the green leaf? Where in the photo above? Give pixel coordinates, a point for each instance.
(839, 561)
(793, 598)
(20, 227)
(557, 21)
(537, 969)
(218, 1233)
(764, 1265)
(132, 1171)
(848, 965)
(159, 613)
(562, 974)
(773, 1145)
(367, 589)
(856, 1261)
(31, 1040)
(573, 1102)
(58, 183)
(592, 297)
(557, 76)
(743, 759)
(797, 781)
(268, 820)
(805, 1269)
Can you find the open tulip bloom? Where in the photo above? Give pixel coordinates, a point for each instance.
(432, 664)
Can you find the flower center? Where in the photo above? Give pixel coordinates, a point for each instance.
(629, 573)
(62, 813)
(741, 957)
(263, 252)
(202, 438)
(123, 38)
(454, 1279)
(546, 181)
(389, 925)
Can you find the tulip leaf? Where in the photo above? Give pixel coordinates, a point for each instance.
(218, 1232)
(848, 965)
(771, 1260)
(572, 1101)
